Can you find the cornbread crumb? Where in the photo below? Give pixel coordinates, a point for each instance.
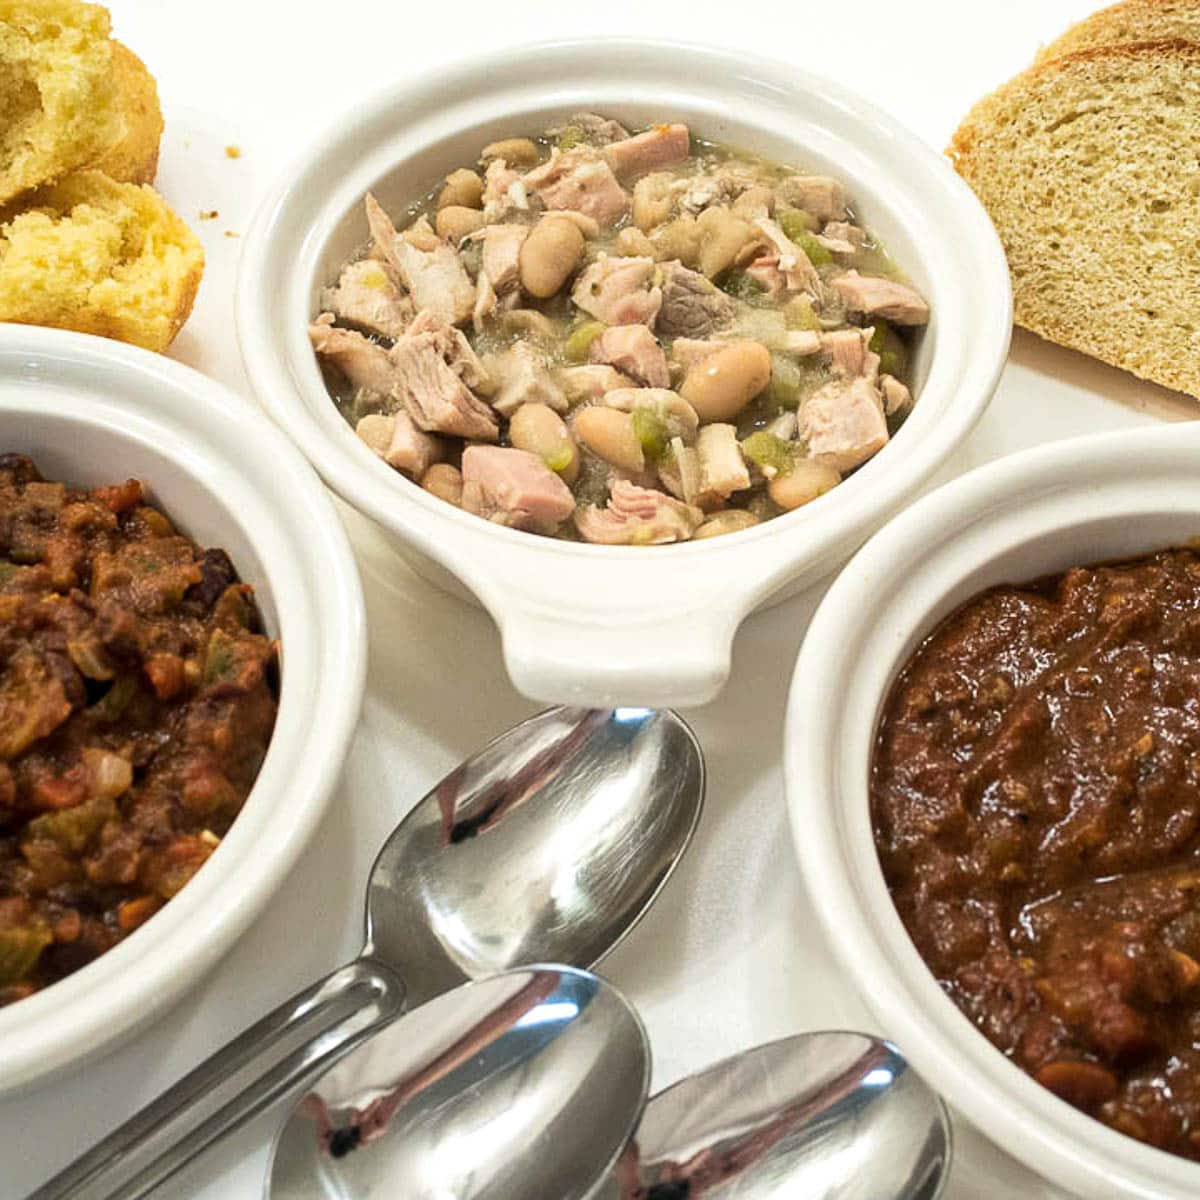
(233, 152)
(102, 257)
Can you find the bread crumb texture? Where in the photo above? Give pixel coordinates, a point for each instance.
(102, 257)
(134, 158)
(1127, 22)
(1090, 168)
(58, 91)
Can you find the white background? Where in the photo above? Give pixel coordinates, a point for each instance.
(730, 956)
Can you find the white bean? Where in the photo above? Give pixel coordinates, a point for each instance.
(803, 483)
(609, 433)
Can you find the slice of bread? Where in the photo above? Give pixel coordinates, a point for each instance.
(58, 91)
(134, 159)
(1127, 22)
(100, 257)
(1088, 167)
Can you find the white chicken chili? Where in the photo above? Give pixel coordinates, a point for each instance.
(629, 339)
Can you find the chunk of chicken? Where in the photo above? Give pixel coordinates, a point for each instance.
(514, 488)
(453, 346)
(599, 131)
(524, 378)
(634, 350)
(436, 278)
(435, 395)
(657, 147)
(368, 295)
(590, 382)
(722, 467)
(843, 424)
(637, 516)
(679, 472)
(619, 291)
(363, 362)
(501, 254)
(820, 195)
(794, 264)
(896, 396)
(397, 440)
(845, 232)
(849, 350)
(880, 297)
(580, 180)
(692, 307)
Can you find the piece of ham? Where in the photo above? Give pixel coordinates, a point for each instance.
(590, 382)
(436, 279)
(514, 488)
(501, 255)
(619, 291)
(434, 393)
(363, 362)
(687, 352)
(880, 297)
(582, 181)
(692, 306)
(843, 423)
(850, 352)
(637, 516)
(523, 378)
(598, 130)
(368, 295)
(765, 271)
(795, 266)
(397, 440)
(657, 147)
(634, 350)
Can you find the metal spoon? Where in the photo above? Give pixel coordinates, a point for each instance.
(526, 1084)
(826, 1116)
(546, 846)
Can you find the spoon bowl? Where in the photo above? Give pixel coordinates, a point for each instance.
(546, 846)
(529, 1083)
(826, 1116)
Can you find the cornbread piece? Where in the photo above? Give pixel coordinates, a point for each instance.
(58, 91)
(1129, 21)
(1087, 165)
(100, 257)
(134, 159)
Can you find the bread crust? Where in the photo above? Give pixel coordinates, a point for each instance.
(1117, 283)
(1128, 22)
(134, 159)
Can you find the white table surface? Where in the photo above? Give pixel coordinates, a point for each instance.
(730, 956)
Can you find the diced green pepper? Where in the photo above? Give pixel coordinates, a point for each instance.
(570, 137)
(651, 431)
(220, 661)
(20, 948)
(817, 254)
(72, 828)
(769, 452)
(116, 700)
(893, 353)
(798, 313)
(742, 286)
(579, 340)
(795, 222)
(558, 460)
(783, 391)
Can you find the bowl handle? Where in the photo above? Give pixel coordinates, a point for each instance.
(604, 633)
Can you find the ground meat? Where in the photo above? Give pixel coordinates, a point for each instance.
(1036, 802)
(137, 699)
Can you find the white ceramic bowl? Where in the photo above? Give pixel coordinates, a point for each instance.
(1073, 502)
(599, 624)
(91, 411)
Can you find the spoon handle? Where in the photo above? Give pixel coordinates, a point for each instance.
(260, 1066)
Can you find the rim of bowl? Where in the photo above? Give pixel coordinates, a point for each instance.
(851, 898)
(966, 363)
(95, 1006)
